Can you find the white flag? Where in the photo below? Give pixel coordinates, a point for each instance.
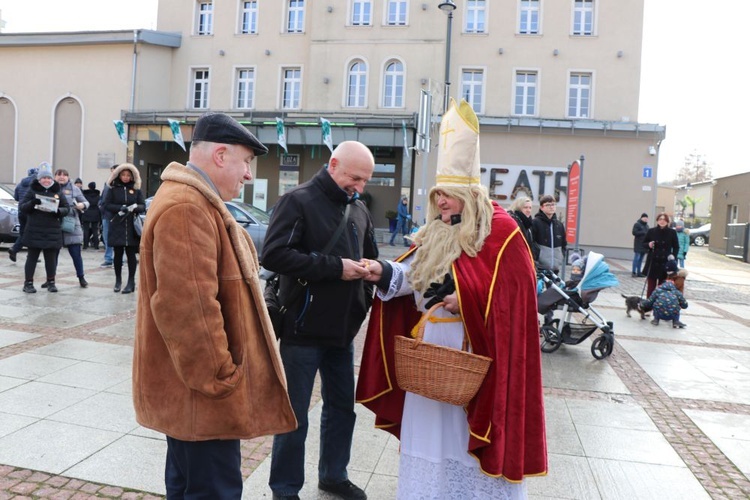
(120, 127)
(177, 132)
(281, 134)
(327, 139)
(406, 143)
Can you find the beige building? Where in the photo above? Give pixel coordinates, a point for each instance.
(551, 81)
(731, 216)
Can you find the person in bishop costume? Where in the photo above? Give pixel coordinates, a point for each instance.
(472, 257)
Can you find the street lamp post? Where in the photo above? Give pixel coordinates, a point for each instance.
(448, 6)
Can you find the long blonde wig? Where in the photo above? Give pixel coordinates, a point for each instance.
(439, 244)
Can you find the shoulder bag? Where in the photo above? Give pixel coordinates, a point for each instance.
(278, 308)
(68, 224)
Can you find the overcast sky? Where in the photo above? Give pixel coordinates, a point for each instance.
(694, 77)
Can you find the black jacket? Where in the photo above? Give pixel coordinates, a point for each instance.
(330, 310)
(525, 224)
(640, 229)
(23, 187)
(665, 244)
(92, 214)
(42, 229)
(549, 236)
(121, 232)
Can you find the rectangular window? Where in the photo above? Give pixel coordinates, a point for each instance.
(361, 12)
(579, 95)
(249, 18)
(525, 93)
(291, 87)
(472, 81)
(200, 89)
(583, 17)
(245, 88)
(296, 16)
(205, 24)
(528, 23)
(396, 13)
(475, 15)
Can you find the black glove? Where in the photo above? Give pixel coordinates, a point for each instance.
(438, 291)
(37, 201)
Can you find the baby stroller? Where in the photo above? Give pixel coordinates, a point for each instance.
(576, 298)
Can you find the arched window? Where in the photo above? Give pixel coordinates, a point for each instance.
(393, 85)
(357, 85)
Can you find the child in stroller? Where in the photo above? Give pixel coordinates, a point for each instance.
(575, 296)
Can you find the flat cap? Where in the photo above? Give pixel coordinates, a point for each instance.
(221, 128)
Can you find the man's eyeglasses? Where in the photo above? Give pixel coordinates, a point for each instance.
(551, 204)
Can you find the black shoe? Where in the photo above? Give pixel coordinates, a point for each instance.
(45, 284)
(12, 255)
(345, 489)
(633, 275)
(83, 282)
(640, 275)
(129, 288)
(655, 322)
(678, 324)
(28, 287)
(51, 287)
(118, 286)
(285, 497)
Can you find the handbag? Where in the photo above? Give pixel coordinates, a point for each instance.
(137, 224)
(68, 224)
(277, 307)
(438, 372)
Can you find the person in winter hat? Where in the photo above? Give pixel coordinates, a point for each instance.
(640, 228)
(18, 194)
(666, 302)
(125, 200)
(44, 207)
(683, 238)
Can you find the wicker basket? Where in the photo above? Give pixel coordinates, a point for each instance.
(438, 372)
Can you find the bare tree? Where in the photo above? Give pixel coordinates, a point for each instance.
(695, 169)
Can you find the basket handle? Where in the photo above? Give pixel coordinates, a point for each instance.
(418, 330)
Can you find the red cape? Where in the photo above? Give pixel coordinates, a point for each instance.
(497, 297)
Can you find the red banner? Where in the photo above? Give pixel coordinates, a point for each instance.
(571, 220)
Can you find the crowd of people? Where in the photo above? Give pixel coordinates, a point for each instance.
(665, 246)
(55, 212)
(209, 366)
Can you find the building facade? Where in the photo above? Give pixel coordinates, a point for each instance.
(551, 82)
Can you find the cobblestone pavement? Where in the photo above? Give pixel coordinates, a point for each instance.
(716, 473)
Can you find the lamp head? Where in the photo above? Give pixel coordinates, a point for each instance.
(448, 6)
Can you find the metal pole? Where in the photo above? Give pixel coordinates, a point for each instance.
(446, 97)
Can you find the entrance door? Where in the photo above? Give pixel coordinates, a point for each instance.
(154, 178)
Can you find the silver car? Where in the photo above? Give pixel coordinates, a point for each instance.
(252, 219)
(8, 215)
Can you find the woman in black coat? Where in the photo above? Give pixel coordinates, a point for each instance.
(125, 200)
(42, 233)
(662, 242)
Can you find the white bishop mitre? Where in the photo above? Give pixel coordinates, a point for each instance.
(458, 147)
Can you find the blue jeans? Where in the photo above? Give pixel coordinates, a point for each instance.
(75, 254)
(637, 262)
(203, 469)
(401, 228)
(108, 250)
(301, 363)
(681, 262)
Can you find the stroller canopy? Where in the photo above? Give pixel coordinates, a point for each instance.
(597, 275)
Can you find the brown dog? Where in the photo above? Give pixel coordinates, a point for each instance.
(633, 303)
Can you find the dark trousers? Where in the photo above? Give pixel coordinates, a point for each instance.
(132, 262)
(90, 234)
(50, 262)
(21, 223)
(203, 469)
(336, 366)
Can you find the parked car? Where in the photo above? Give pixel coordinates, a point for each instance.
(699, 235)
(252, 219)
(9, 226)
